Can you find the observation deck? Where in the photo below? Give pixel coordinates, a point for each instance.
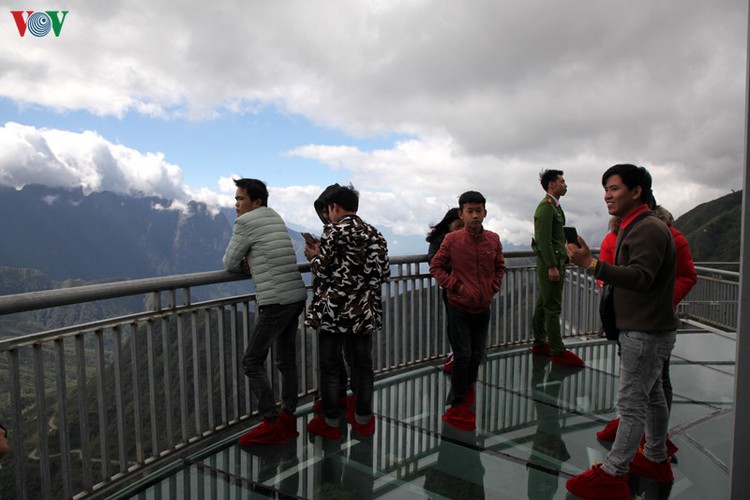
(149, 404)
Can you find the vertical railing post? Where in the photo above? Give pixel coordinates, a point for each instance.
(738, 476)
(19, 452)
(62, 417)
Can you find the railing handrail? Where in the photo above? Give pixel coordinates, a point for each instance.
(30, 301)
(712, 270)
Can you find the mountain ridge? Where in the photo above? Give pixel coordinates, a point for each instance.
(714, 228)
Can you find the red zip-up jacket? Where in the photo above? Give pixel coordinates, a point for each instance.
(477, 268)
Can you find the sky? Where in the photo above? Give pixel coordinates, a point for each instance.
(411, 101)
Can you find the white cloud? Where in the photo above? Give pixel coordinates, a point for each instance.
(60, 158)
(489, 91)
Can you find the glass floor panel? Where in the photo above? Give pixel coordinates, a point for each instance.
(536, 425)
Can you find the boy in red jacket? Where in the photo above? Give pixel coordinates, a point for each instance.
(470, 267)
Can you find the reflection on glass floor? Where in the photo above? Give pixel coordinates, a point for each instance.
(536, 425)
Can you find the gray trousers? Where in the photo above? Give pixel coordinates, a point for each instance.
(640, 399)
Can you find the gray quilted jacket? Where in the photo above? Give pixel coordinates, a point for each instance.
(262, 236)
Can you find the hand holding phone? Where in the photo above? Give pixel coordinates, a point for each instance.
(310, 239)
(571, 235)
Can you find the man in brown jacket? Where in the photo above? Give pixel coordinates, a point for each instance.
(643, 279)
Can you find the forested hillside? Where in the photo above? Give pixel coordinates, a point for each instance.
(713, 229)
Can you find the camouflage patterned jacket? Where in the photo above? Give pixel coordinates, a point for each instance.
(347, 277)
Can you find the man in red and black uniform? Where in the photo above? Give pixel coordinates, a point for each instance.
(470, 267)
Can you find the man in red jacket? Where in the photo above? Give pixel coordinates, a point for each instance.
(470, 267)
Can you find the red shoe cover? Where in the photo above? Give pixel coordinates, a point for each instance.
(461, 417)
(671, 447)
(289, 422)
(595, 483)
(367, 429)
(658, 471)
(268, 432)
(609, 432)
(318, 427)
(567, 358)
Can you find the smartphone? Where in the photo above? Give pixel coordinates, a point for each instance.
(571, 235)
(310, 239)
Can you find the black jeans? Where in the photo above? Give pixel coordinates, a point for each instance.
(467, 333)
(276, 323)
(358, 353)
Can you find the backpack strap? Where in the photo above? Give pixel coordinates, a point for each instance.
(624, 232)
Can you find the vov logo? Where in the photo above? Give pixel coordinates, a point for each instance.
(39, 23)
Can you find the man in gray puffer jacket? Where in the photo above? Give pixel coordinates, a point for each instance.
(261, 246)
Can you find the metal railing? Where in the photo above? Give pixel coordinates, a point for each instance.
(714, 300)
(91, 404)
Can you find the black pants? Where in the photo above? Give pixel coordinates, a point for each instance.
(276, 324)
(467, 333)
(358, 353)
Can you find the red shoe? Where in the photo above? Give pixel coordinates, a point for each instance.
(595, 484)
(289, 422)
(367, 429)
(471, 395)
(609, 432)
(671, 447)
(658, 471)
(541, 350)
(268, 432)
(567, 358)
(461, 417)
(318, 427)
(448, 365)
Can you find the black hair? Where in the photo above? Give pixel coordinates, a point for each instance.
(470, 197)
(632, 176)
(5, 431)
(321, 205)
(255, 190)
(442, 227)
(548, 175)
(344, 196)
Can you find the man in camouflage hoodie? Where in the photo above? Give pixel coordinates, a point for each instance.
(349, 264)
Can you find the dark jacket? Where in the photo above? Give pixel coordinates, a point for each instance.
(470, 268)
(348, 274)
(644, 277)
